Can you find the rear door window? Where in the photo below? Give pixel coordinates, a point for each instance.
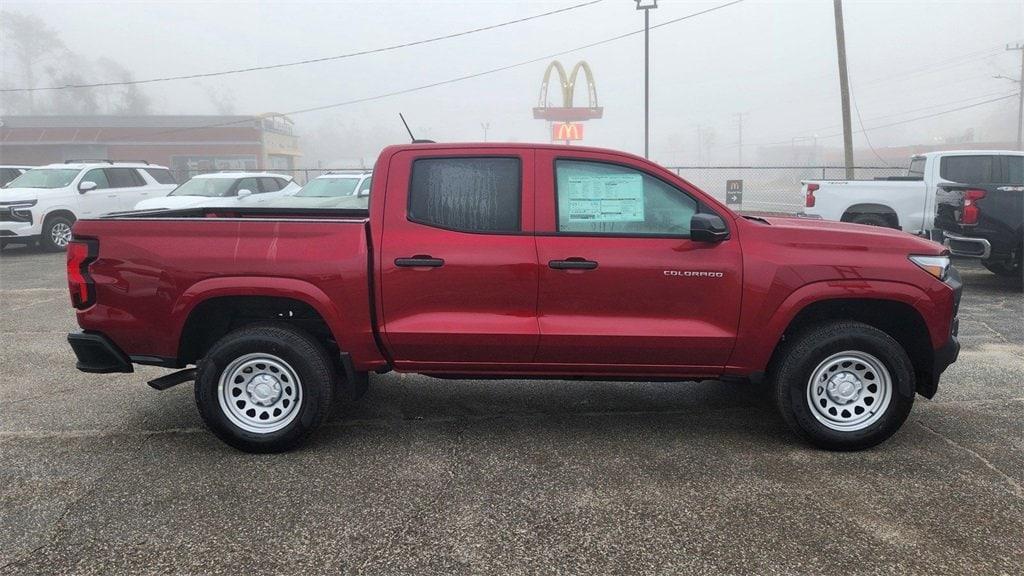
(981, 169)
(124, 177)
(162, 176)
(470, 194)
(608, 199)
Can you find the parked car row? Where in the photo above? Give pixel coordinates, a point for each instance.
(970, 200)
(40, 204)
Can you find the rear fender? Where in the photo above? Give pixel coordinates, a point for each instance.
(262, 286)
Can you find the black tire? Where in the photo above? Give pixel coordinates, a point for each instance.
(48, 239)
(872, 220)
(798, 362)
(298, 352)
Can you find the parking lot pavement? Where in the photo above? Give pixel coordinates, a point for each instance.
(103, 475)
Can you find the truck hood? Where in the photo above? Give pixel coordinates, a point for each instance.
(815, 232)
(172, 202)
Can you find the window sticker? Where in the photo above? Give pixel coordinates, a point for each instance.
(606, 198)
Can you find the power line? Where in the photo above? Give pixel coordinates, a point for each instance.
(468, 76)
(906, 121)
(910, 111)
(304, 62)
(865, 133)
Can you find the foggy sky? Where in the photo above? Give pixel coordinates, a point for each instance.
(773, 60)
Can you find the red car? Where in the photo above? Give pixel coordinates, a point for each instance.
(514, 260)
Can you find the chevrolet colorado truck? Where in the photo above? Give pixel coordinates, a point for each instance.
(514, 261)
(908, 202)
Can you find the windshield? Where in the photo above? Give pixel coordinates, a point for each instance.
(208, 187)
(329, 188)
(44, 178)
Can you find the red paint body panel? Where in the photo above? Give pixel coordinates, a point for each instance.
(495, 307)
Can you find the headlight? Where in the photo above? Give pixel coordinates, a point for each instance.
(20, 210)
(935, 265)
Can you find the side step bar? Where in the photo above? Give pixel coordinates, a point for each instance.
(173, 379)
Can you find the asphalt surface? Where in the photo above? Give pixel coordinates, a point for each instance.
(99, 474)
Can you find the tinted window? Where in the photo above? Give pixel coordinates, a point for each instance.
(1015, 170)
(468, 194)
(8, 174)
(99, 176)
(270, 184)
(160, 175)
(250, 184)
(916, 167)
(599, 198)
(124, 177)
(970, 169)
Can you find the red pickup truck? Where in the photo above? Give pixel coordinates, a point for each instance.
(514, 261)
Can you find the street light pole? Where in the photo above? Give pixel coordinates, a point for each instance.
(647, 6)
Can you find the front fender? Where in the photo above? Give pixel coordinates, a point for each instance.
(761, 332)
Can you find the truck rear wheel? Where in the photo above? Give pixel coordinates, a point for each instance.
(264, 387)
(844, 385)
(872, 220)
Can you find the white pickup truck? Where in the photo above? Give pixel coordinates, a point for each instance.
(906, 202)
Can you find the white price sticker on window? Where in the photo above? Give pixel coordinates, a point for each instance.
(606, 198)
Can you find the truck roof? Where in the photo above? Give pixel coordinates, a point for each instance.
(968, 153)
(520, 145)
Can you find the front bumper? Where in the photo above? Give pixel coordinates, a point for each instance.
(967, 246)
(97, 354)
(948, 352)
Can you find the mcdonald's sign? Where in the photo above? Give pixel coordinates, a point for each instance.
(567, 112)
(567, 131)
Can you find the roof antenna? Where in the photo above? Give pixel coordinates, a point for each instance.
(411, 137)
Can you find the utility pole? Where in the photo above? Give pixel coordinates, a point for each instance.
(844, 89)
(739, 116)
(647, 6)
(1020, 96)
(486, 126)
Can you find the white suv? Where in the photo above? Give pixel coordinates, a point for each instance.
(43, 203)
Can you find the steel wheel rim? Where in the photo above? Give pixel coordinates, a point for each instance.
(849, 391)
(60, 234)
(259, 393)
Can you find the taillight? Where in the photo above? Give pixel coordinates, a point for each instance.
(809, 199)
(81, 253)
(971, 212)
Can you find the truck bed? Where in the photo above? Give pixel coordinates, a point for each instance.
(150, 275)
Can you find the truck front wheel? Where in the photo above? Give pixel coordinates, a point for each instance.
(264, 387)
(844, 385)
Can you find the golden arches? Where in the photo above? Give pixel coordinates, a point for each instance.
(568, 84)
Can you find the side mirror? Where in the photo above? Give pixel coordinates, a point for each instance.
(87, 186)
(708, 228)
(243, 193)
(363, 194)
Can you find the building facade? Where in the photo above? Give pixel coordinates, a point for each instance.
(186, 144)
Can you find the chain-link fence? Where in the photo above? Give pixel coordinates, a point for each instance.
(764, 188)
(772, 188)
